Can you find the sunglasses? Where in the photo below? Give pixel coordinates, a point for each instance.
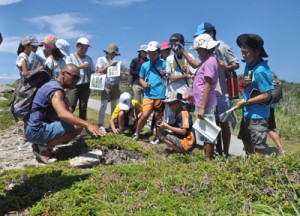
(74, 77)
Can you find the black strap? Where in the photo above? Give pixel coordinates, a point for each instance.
(180, 69)
(155, 68)
(148, 72)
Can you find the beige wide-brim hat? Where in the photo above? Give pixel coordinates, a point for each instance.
(204, 41)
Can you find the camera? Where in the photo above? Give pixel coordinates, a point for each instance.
(177, 46)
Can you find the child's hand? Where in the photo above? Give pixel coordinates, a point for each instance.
(164, 125)
(116, 131)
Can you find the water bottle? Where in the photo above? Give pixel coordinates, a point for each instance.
(232, 85)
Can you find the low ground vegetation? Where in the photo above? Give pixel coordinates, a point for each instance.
(162, 182)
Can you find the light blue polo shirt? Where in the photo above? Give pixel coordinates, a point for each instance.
(150, 75)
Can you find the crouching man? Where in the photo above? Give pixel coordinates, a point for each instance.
(52, 122)
(126, 114)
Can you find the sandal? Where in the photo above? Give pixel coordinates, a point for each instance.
(43, 154)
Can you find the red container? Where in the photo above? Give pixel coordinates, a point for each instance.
(232, 85)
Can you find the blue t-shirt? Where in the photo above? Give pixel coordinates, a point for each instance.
(42, 101)
(261, 80)
(149, 74)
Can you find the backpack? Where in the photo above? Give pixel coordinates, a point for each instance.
(25, 91)
(276, 94)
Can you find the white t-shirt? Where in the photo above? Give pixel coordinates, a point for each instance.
(22, 56)
(103, 62)
(173, 69)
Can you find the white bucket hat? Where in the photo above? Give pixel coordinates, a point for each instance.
(204, 41)
(63, 46)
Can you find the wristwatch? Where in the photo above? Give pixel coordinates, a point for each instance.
(247, 103)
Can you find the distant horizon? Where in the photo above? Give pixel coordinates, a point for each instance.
(8, 81)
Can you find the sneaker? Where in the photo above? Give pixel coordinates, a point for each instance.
(282, 153)
(155, 141)
(135, 136)
(43, 154)
(24, 144)
(84, 132)
(102, 128)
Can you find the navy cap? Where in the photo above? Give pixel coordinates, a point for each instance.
(176, 37)
(253, 41)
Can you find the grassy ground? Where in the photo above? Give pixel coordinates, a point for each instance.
(164, 183)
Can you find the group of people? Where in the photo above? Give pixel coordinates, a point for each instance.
(163, 84)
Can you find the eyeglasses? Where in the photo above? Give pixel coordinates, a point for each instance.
(74, 77)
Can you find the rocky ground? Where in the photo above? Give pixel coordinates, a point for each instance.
(12, 158)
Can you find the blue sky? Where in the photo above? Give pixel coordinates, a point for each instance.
(130, 23)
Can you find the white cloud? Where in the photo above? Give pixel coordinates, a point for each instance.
(64, 25)
(10, 44)
(8, 2)
(117, 2)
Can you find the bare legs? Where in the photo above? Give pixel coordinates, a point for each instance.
(276, 138)
(224, 138)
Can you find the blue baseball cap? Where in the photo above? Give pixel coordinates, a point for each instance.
(203, 27)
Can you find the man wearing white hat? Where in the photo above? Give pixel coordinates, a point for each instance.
(151, 78)
(86, 66)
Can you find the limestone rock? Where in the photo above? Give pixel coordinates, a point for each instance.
(87, 160)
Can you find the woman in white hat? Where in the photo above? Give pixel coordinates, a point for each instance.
(55, 62)
(205, 82)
